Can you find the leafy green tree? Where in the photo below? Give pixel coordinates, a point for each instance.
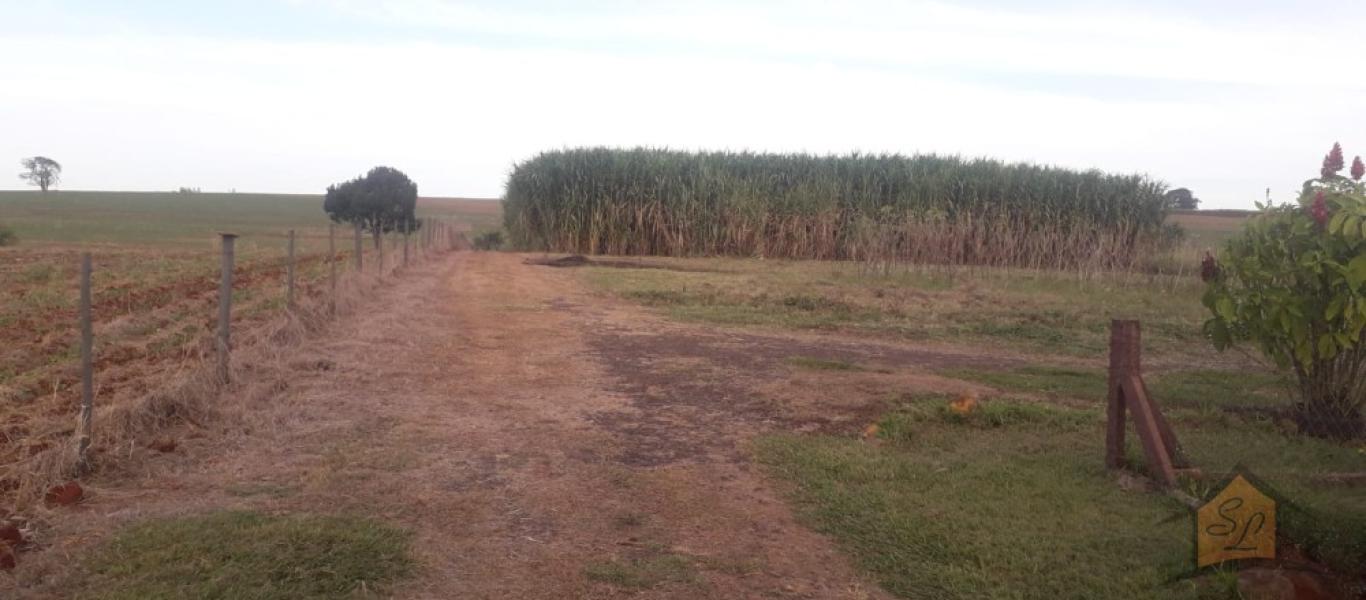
(382, 201)
(1294, 283)
(41, 171)
(1182, 199)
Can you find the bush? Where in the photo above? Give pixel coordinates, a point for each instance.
(489, 240)
(7, 236)
(1294, 283)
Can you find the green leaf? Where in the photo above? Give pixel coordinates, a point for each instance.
(1334, 308)
(1356, 271)
(1335, 223)
(1327, 346)
(1218, 334)
(1351, 227)
(1225, 309)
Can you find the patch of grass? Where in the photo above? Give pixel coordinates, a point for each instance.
(1058, 382)
(38, 274)
(1194, 389)
(1015, 502)
(248, 555)
(1048, 312)
(1219, 389)
(1054, 338)
(820, 364)
(643, 573)
(272, 490)
(988, 414)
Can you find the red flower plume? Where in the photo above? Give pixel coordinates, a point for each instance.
(1333, 162)
(1209, 268)
(1358, 169)
(1319, 210)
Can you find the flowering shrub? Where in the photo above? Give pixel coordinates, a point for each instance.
(1294, 283)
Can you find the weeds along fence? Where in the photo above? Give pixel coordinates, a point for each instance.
(102, 407)
(925, 209)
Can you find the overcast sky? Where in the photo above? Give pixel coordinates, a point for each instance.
(1226, 98)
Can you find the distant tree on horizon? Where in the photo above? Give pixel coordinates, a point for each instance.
(1183, 199)
(41, 171)
(382, 201)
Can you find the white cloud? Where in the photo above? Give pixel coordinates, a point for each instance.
(147, 110)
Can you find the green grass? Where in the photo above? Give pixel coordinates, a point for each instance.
(1200, 389)
(643, 573)
(1055, 382)
(168, 219)
(1036, 311)
(820, 364)
(1013, 501)
(248, 555)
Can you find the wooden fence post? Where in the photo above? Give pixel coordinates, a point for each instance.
(332, 267)
(379, 245)
(358, 249)
(405, 247)
(1127, 392)
(225, 306)
(87, 368)
(1124, 361)
(289, 269)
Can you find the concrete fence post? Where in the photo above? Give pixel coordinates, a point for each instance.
(225, 306)
(289, 273)
(87, 367)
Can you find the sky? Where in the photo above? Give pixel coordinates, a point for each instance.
(1225, 98)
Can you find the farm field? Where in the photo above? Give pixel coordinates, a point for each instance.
(677, 428)
(1031, 455)
(1209, 228)
(155, 278)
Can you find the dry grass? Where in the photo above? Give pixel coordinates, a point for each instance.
(188, 390)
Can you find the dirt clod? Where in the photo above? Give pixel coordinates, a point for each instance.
(575, 260)
(65, 494)
(7, 560)
(162, 445)
(9, 534)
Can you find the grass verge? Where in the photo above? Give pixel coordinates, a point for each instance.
(1012, 501)
(1038, 311)
(242, 554)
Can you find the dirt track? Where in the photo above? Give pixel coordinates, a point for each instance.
(527, 429)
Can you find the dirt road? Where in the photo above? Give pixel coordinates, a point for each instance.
(531, 433)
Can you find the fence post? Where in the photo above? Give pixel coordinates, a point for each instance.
(358, 248)
(87, 367)
(332, 267)
(405, 246)
(289, 269)
(1124, 361)
(379, 245)
(225, 306)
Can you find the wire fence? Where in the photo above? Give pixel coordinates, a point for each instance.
(190, 342)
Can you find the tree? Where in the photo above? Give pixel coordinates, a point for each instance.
(380, 202)
(1183, 199)
(1294, 283)
(41, 171)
